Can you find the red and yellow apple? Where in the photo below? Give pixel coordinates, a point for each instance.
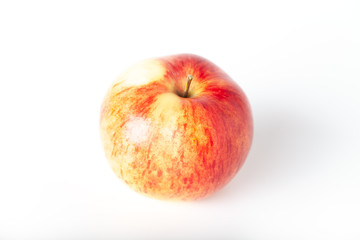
(176, 127)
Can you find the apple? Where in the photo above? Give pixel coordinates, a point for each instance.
(176, 127)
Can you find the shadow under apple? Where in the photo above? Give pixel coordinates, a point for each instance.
(284, 149)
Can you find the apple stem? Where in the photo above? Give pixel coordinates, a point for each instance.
(189, 79)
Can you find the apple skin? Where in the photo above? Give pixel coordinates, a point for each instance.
(169, 147)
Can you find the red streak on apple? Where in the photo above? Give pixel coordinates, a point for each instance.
(170, 147)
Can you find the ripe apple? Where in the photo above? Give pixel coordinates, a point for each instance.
(176, 127)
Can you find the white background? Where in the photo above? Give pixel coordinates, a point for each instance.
(297, 61)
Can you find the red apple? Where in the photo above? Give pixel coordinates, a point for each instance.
(170, 143)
